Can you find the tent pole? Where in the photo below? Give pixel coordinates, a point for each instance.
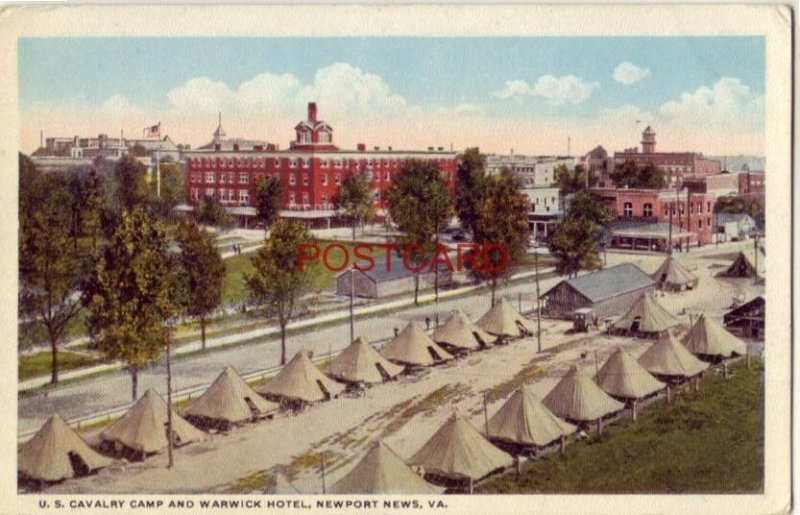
(471, 487)
(633, 410)
(669, 394)
(562, 444)
(600, 426)
(725, 370)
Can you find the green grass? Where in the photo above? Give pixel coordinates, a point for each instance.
(706, 442)
(39, 364)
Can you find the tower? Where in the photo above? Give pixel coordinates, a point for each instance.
(648, 141)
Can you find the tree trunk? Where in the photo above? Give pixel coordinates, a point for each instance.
(416, 288)
(134, 382)
(203, 332)
(494, 287)
(283, 342)
(54, 363)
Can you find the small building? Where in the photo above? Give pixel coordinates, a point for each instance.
(608, 292)
(747, 320)
(396, 278)
(734, 226)
(654, 237)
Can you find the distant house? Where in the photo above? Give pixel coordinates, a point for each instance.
(608, 292)
(383, 282)
(732, 226)
(747, 320)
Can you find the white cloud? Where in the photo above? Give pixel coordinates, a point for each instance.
(513, 88)
(200, 94)
(561, 90)
(727, 105)
(557, 90)
(628, 73)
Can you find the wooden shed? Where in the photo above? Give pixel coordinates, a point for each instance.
(384, 281)
(607, 292)
(747, 320)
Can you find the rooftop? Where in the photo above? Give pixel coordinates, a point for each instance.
(610, 282)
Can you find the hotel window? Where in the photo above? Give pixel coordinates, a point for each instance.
(337, 180)
(627, 210)
(293, 163)
(244, 178)
(325, 137)
(244, 196)
(325, 163)
(195, 194)
(291, 179)
(305, 198)
(305, 179)
(386, 176)
(210, 192)
(369, 176)
(221, 193)
(209, 177)
(291, 197)
(700, 223)
(324, 179)
(324, 198)
(277, 161)
(305, 137)
(708, 207)
(647, 210)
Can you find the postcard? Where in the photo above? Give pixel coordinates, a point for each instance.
(378, 259)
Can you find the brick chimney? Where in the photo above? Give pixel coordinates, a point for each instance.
(312, 111)
(361, 147)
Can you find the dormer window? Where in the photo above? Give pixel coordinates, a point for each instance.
(304, 137)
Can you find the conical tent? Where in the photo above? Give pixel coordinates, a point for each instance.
(381, 471)
(461, 333)
(301, 380)
(671, 275)
(503, 320)
(279, 485)
(458, 451)
(524, 420)
(143, 428)
(413, 347)
(231, 399)
(745, 265)
(360, 363)
(667, 357)
(576, 397)
(645, 316)
(623, 377)
(706, 338)
(46, 456)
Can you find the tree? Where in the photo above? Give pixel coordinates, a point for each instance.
(354, 201)
(173, 189)
(651, 177)
(277, 282)
(575, 242)
(420, 205)
(138, 150)
(470, 187)
(201, 273)
(502, 220)
(209, 211)
(572, 182)
(630, 175)
(132, 189)
(130, 293)
(50, 269)
(268, 201)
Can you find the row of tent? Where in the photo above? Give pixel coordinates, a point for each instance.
(458, 453)
(56, 452)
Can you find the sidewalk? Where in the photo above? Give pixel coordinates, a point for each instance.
(273, 330)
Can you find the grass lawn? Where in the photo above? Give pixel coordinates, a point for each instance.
(709, 442)
(39, 364)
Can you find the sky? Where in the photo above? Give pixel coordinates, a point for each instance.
(535, 95)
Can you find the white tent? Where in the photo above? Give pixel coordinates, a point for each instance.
(646, 315)
(623, 377)
(381, 471)
(503, 320)
(231, 399)
(301, 380)
(706, 338)
(576, 397)
(461, 333)
(360, 363)
(668, 358)
(524, 420)
(413, 347)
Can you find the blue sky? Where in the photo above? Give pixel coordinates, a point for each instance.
(565, 78)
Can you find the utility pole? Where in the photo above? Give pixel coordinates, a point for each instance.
(352, 294)
(170, 458)
(158, 163)
(538, 308)
(755, 251)
(669, 244)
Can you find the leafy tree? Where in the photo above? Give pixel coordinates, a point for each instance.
(470, 187)
(173, 189)
(130, 293)
(201, 273)
(651, 177)
(626, 174)
(268, 201)
(420, 205)
(31, 189)
(93, 207)
(277, 281)
(572, 182)
(503, 220)
(138, 150)
(132, 189)
(575, 242)
(50, 269)
(210, 211)
(354, 201)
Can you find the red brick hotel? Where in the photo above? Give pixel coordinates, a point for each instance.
(310, 171)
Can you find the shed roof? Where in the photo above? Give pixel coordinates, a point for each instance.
(609, 282)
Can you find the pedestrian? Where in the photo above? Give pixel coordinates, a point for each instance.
(428, 323)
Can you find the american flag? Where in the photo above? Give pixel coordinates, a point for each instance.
(153, 131)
